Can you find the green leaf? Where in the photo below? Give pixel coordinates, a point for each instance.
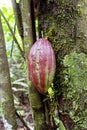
(61, 126)
(18, 82)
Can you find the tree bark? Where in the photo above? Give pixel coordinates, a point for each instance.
(18, 17)
(7, 96)
(64, 23)
(56, 23)
(82, 26)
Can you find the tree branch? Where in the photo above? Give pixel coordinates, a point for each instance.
(21, 119)
(21, 51)
(18, 17)
(13, 41)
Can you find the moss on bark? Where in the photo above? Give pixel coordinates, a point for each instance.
(58, 20)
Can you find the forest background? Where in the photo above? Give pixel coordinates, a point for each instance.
(64, 24)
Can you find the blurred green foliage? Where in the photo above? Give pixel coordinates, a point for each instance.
(57, 24)
(16, 62)
(17, 65)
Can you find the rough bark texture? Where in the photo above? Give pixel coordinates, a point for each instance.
(29, 38)
(65, 25)
(7, 96)
(82, 26)
(57, 21)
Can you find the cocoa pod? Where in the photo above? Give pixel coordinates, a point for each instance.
(42, 65)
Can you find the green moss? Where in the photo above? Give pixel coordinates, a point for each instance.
(39, 116)
(59, 29)
(35, 104)
(59, 25)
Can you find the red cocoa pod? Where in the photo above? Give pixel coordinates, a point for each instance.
(42, 65)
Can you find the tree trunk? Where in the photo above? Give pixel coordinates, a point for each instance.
(18, 17)
(29, 39)
(64, 23)
(82, 26)
(57, 21)
(7, 96)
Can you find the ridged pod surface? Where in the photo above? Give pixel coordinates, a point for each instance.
(41, 65)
